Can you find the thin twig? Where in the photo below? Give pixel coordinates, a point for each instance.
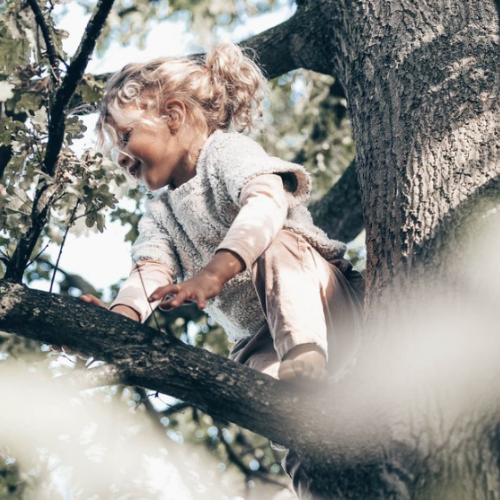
(38, 255)
(49, 43)
(94, 210)
(70, 223)
(72, 280)
(68, 86)
(236, 460)
(146, 400)
(25, 202)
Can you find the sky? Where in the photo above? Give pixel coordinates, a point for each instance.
(104, 259)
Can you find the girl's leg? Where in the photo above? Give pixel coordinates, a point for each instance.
(258, 353)
(313, 307)
(308, 302)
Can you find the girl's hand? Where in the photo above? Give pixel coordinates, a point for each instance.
(205, 285)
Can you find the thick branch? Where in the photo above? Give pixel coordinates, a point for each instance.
(47, 37)
(150, 359)
(274, 47)
(344, 436)
(340, 212)
(70, 82)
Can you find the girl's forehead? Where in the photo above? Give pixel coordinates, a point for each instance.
(124, 118)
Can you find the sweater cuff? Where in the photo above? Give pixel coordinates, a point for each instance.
(144, 279)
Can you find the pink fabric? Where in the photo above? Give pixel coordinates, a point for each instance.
(144, 279)
(306, 300)
(263, 212)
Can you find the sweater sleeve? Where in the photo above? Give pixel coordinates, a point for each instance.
(263, 212)
(154, 261)
(154, 243)
(144, 279)
(240, 159)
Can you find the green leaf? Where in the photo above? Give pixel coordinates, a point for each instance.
(91, 90)
(9, 128)
(100, 223)
(40, 119)
(29, 101)
(91, 219)
(12, 52)
(6, 91)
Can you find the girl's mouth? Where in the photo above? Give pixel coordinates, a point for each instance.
(134, 170)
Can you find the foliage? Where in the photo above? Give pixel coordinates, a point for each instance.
(306, 122)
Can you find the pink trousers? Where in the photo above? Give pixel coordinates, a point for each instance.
(305, 299)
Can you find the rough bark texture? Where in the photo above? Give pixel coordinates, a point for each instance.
(309, 421)
(422, 84)
(340, 212)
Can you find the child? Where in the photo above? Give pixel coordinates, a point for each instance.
(230, 230)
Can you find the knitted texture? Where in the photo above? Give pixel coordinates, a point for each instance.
(183, 227)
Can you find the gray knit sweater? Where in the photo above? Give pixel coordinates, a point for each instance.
(183, 227)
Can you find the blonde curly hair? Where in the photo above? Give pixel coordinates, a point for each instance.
(227, 89)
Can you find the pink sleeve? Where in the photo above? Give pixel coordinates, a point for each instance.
(263, 212)
(144, 279)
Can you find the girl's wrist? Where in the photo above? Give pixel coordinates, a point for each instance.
(127, 311)
(225, 265)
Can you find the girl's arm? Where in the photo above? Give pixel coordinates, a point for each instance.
(133, 298)
(263, 212)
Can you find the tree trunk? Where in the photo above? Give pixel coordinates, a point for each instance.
(422, 84)
(421, 79)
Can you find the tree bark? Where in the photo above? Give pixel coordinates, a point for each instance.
(311, 421)
(422, 85)
(340, 212)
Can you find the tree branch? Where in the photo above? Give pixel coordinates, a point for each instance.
(5, 156)
(287, 46)
(274, 47)
(340, 212)
(49, 43)
(56, 129)
(147, 358)
(249, 473)
(70, 280)
(70, 82)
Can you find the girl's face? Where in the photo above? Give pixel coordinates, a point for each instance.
(157, 154)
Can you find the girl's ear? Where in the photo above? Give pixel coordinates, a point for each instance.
(175, 114)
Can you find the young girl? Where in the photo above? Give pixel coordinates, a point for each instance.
(227, 227)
